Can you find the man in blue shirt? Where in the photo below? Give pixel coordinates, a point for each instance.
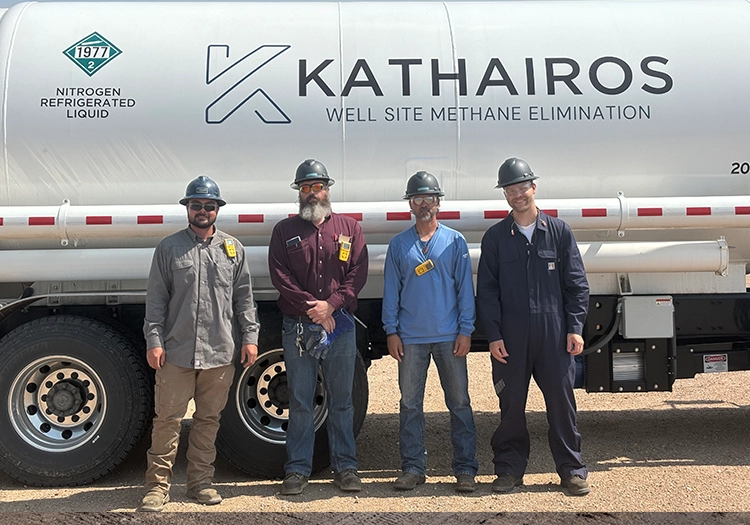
(428, 310)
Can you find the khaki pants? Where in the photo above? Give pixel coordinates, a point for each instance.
(174, 388)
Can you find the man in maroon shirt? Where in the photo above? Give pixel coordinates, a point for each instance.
(318, 263)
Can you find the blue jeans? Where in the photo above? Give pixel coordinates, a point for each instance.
(302, 375)
(412, 376)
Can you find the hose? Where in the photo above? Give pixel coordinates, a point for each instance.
(609, 335)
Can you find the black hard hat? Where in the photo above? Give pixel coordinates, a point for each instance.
(514, 171)
(202, 188)
(422, 183)
(311, 170)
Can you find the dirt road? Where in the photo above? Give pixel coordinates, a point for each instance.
(685, 451)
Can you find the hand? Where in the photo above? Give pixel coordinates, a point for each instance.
(248, 355)
(395, 347)
(498, 351)
(156, 357)
(328, 324)
(319, 311)
(575, 344)
(462, 345)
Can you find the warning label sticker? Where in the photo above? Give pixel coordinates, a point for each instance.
(92, 53)
(715, 363)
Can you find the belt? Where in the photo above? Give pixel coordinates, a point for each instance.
(299, 319)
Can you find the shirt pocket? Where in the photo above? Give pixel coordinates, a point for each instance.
(548, 259)
(224, 275)
(548, 298)
(332, 250)
(183, 272)
(299, 256)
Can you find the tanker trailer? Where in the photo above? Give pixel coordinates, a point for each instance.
(634, 114)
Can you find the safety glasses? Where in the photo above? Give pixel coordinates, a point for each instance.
(430, 199)
(315, 187)
(517, 190)
(197, 206)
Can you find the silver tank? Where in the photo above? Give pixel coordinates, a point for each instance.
(120, 103)
(124, 103)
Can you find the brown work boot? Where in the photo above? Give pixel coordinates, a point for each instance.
(153, 501)
(205, 495)
(294, 483)
(506, 482)
(348, 481)
(408, 481)
(465, 483)
(576, 486)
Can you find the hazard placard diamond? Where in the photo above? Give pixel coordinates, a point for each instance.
(92, 53)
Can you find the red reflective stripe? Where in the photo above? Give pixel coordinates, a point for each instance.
(101, 219)
(551, 213)
(150, 219)
(496, 214)
(701, 210)
(250, 217)
(41, 221)
(594, 212)
(742, 210)
(1, 221)
(449, 215)
(355, 216)
(398, 216)
(649, 212)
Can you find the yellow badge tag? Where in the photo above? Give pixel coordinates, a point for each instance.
(424, 267)
(230, 249)
(345, 247)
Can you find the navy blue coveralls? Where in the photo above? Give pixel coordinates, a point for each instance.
(531, 295)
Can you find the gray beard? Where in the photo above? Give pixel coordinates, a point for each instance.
(314, 211)
(427, 215)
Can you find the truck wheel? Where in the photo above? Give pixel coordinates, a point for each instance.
(74, 400)
(252, 436)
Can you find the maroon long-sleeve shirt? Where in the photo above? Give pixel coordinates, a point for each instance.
(305, 265)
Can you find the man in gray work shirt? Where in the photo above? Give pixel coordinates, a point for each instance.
(199, 294)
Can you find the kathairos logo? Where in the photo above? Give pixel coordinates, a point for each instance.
(240, 91)
(92, 53)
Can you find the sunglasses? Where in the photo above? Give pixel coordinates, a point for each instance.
(314, 187)
(197, 206)
(427, 200)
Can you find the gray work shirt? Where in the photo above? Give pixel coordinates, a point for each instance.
(198, 296)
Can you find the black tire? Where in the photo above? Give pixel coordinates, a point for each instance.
(252, 436)
(79, 400)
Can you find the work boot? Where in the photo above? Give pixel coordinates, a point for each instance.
(294, 483)
(576, 486)
(465, 483)
(153, 501)
(205, 495)
(348, 481)
(506, 482)
(408, 481)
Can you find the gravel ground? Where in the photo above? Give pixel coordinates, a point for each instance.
(682, 452)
